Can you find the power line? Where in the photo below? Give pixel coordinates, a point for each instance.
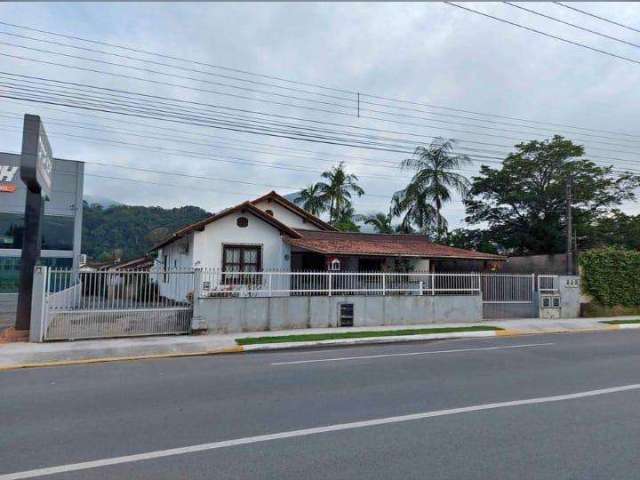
(540, 32)
(608, 20)
(233, 142)
(288, 105)
(288, 117)
(348, 107)
(226, 140)
(237, 160)
(584, 29)
(352, 93)
(373, 146)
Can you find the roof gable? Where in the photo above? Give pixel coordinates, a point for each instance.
(289, 205)
(243, 207)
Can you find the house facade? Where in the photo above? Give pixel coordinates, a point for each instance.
(271, 233)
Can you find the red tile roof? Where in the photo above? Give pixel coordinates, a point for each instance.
(374, 244)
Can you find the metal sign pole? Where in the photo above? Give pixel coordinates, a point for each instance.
(36, 168)
(30, 255)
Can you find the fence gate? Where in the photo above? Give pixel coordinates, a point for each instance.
(116, 303)
(508, 296)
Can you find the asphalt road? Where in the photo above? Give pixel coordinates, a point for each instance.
(65, 416)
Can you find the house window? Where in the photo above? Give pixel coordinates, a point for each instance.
(241, 258)
(242, 222)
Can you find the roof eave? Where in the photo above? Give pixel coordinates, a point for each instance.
(321, 251)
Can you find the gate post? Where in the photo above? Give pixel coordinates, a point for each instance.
(198, 323)
(39, 310)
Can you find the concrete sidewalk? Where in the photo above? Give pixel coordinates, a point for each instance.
(18, 355)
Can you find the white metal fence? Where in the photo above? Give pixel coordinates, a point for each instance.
(96, 304)
(548, 283)
(508, 296)
(117, 303)
(219, 283)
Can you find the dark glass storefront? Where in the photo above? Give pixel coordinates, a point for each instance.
(10, 270)
(57, 232)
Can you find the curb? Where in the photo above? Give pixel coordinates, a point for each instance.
(366, 340)
(63, 363)
(317, 343)
(623, 326)
(253, 348)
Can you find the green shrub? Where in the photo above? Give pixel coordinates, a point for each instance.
(612, 276)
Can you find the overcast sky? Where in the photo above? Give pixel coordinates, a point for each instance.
(426, 53)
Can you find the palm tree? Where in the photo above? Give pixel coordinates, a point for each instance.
(311, 199)
(380, 221)
(338, 189)
(431, 186)
(346, 220)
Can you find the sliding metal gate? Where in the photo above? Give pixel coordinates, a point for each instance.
(508, 296)
(117, 303)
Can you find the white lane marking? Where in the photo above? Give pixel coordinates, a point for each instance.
(410, 354)
(41, 472)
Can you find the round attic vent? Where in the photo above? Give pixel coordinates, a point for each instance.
(242, 222)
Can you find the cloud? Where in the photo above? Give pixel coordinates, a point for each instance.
(429, 53)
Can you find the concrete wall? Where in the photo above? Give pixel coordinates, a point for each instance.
(555, 264)
(569, 296)
(231, 315)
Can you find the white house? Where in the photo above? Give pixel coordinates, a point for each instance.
(271, 233)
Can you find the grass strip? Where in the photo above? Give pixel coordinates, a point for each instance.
(620, 322)
(312, 337)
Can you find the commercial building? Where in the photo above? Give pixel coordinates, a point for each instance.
(61, 226)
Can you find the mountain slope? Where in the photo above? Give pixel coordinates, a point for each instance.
(130, 231)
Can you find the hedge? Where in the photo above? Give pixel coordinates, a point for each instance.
(612, 276)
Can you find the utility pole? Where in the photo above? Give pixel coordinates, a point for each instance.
(569, 225)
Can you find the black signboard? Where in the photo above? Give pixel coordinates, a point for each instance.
(36, 167)
(36, 170)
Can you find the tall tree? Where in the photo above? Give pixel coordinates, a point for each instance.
(380, 221)
(431, 186)
(311, 199)
(346, 220)
(338, 190)
(523, 202)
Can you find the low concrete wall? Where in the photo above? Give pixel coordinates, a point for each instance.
(230, 315)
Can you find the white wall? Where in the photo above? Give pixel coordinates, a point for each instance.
(286, 216)
(208, 244)
(179, 256)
